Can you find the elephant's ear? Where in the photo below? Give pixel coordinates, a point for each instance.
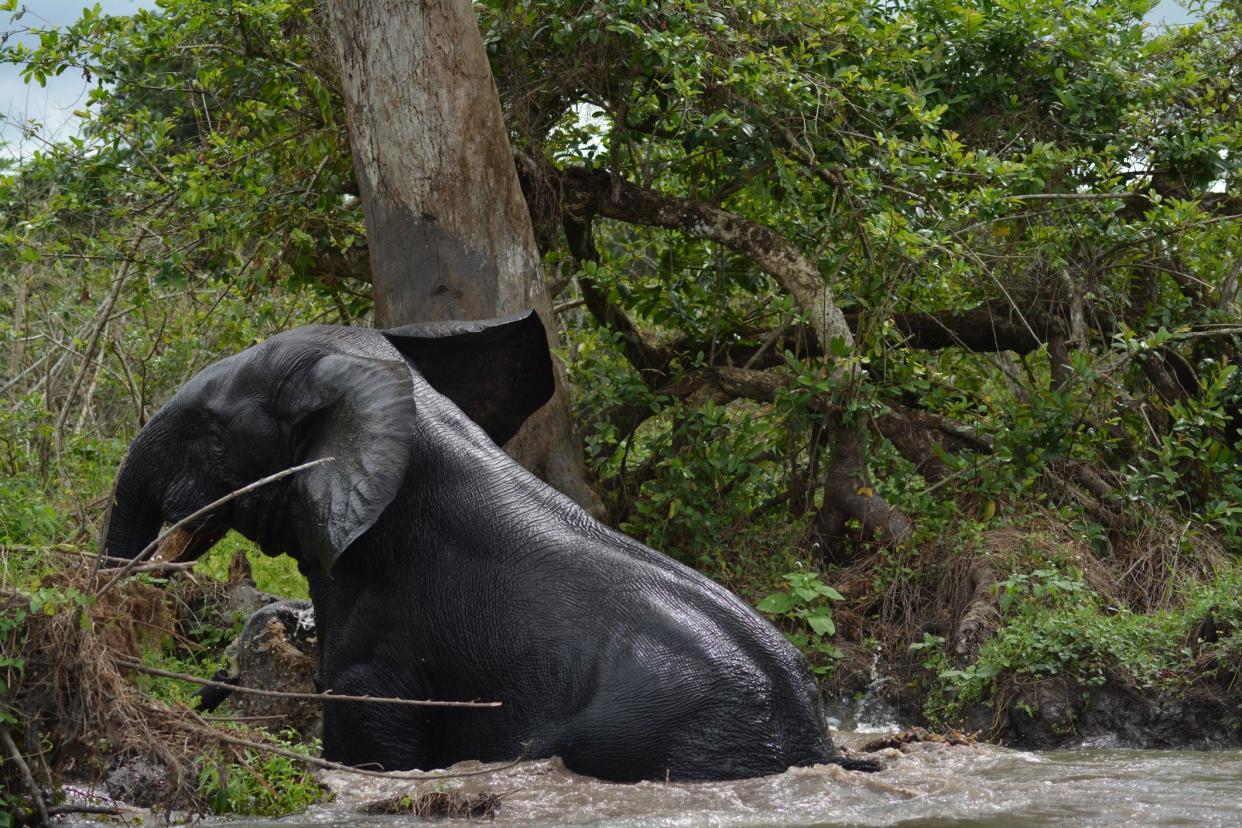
(498, 371)
(359, 410)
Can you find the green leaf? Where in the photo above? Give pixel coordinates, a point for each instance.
(830, 593)
(822, 624)
(778, 603)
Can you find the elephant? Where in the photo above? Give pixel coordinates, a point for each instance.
(439, 568)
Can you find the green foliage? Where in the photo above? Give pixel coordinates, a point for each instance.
(805, 607)
(26, 516)
(1195, 462)
(939, 137)
(1041, 589)
(12, 663)
(177, 95)
(695, 497)
(954, 129)
(199, 650)
(1052, 624)
(260, 785)
(953, 691)
(279, 576)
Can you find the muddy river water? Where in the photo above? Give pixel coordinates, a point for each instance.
(925, 785)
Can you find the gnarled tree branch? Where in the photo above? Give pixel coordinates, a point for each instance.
(595, 192)
(598, 192)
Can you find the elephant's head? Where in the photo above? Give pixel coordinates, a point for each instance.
(314, 392)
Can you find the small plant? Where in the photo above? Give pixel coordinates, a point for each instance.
(806, 606)
(1046, 587)
(270, 785)
(954, 690)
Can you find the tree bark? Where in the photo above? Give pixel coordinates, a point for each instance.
(448, 231)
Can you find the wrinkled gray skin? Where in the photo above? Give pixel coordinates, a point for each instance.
(440, 569)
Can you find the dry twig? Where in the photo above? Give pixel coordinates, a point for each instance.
(27, 776)
(282, 694)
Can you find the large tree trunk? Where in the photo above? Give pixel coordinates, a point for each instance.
(448, 231)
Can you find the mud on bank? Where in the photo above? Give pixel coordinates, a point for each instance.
(1030, 637)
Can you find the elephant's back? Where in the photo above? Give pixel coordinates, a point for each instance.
(688, 666)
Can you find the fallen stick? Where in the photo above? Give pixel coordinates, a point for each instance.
(281, 694)
(413, 776)
(156, 566)
(27, 776)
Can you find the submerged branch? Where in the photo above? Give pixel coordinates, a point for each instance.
(413, 776)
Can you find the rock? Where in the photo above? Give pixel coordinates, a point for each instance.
(138, 781)
(1043, 714)
(278, 650)
(980, 718)
(243, 596)
(1200, 718)
(245, 599)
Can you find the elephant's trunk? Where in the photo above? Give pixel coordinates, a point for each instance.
(136, 511)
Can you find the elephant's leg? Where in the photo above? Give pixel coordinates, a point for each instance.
(372, 734)
(621, 742)
(689, 735)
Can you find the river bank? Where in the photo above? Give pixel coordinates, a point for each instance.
(925, 784)
(1036, 659)
(1028, 637)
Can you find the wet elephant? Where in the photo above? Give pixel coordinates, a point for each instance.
(440, 569)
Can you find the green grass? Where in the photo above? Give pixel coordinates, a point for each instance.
(278, 576)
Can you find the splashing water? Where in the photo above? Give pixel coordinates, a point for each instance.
(869, 712)
(926, 785)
